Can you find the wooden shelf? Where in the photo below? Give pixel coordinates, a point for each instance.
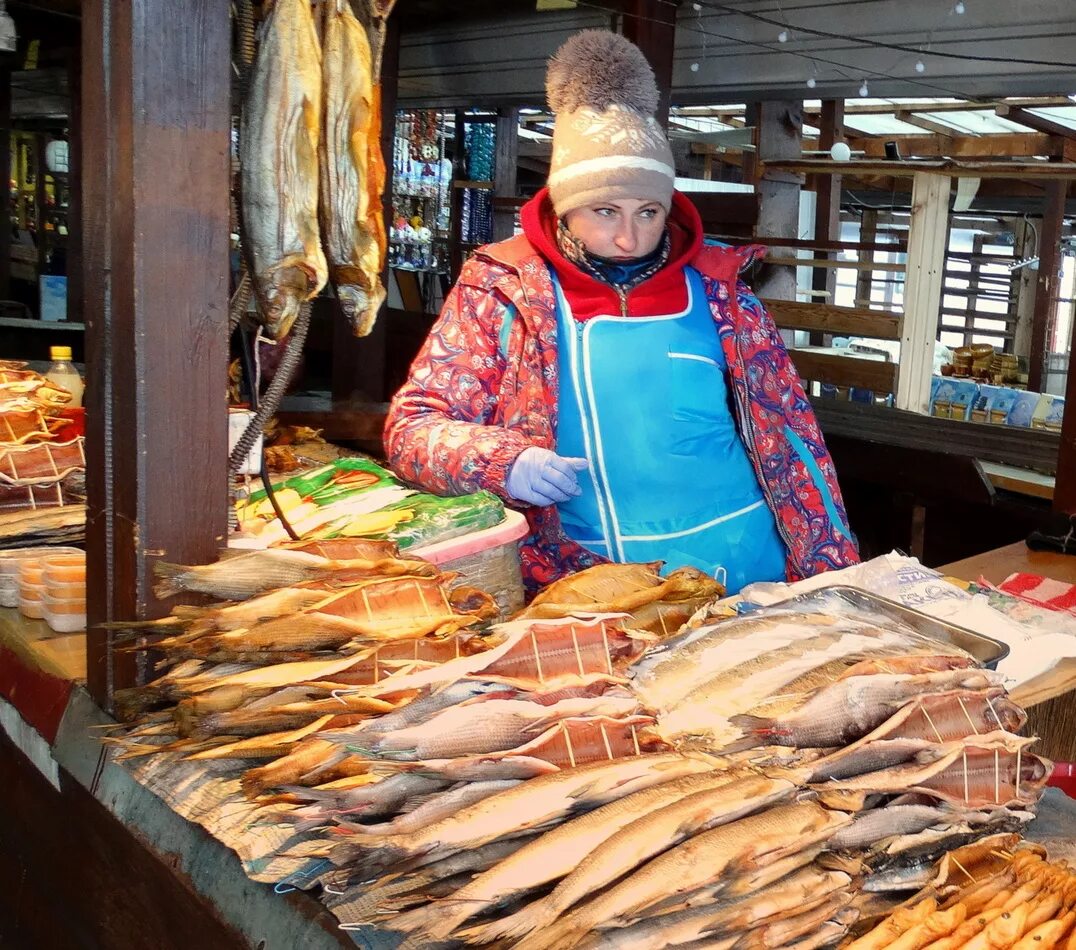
(23, 323)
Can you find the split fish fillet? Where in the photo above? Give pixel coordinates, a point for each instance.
(352, 169)
(554, 854)
(636, 842)
(746, 844)
(279, 166)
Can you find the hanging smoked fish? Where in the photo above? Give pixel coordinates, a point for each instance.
(279, 154)
(352, 168)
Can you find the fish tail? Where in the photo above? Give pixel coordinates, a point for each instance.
(367, 860)
(561, 936)
(171, 579)
(757, 727)
(523, 922)
(420, 920)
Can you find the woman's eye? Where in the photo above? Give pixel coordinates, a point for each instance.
(604, 212)
(648, 213)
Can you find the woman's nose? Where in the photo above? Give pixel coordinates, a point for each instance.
(626, 238)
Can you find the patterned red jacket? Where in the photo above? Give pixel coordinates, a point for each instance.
(484, 387)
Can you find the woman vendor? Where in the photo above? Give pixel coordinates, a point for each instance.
(608, 373)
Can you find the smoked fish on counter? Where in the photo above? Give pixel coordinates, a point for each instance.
(278, 142)
(352, 169)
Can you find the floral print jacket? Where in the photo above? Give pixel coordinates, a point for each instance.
(484, 387)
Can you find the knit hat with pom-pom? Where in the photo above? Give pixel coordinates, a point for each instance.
(606, 142)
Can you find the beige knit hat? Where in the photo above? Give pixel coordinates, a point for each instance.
(606, 142)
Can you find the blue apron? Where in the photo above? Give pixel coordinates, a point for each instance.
(646, 402)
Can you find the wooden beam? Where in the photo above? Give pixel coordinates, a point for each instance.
(842, 321)
(980, 147)
(910, 118)
(155, 107)
(1029, 171)
(868, 264)
(837, 370)
(651, 25)
(1047, 283)
(1028, 448)
(928, 240)
(1032, 121)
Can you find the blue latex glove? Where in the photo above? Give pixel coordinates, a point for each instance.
(541, 477)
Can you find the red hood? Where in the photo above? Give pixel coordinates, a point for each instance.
(665, 292)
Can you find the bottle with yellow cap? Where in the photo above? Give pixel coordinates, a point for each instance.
(63, 373)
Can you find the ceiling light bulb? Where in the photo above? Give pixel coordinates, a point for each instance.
(694, 67)
(959, 8)
(864, 90)
(811, 83)
(696, 7)
(782, 37)
(920, 67)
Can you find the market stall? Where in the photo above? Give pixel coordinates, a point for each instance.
(314, 707)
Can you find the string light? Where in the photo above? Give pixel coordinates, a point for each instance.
(864, 90)
(694, 67)
(811, 83)
(959, 8)
(782, 37)
(920, 67)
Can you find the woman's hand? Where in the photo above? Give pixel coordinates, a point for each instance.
(541, 477)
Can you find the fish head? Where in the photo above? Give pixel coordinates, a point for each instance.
(282, 294)
(360, 306)
(1009, 716)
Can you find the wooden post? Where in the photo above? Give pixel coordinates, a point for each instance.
(5, 182)
(40, 208)
(74, 187)
(1047, 282)
(928, 240)
(1023, 287)
(358, 365)
(827, 188)
(651, 25)
(778, 135)
(505, 171)
(155, 104)
(868, 234)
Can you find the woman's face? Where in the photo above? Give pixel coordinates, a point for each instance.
(624, 229)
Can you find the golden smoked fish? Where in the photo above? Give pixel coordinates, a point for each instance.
(279, 159)
(352, 168)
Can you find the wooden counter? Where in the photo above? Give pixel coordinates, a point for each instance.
(1048, 698)
(998, 564)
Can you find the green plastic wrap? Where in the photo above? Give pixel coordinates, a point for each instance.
(439, 519)
(435, 518)
(319, 486)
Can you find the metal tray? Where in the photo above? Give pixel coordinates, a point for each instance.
(986, 650)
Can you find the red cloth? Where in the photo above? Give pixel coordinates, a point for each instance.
(1044, 591)
(665, 292)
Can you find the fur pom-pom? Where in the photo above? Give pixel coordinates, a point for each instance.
(597, 68)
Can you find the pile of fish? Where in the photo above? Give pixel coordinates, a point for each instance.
(311, 165)
(1008, 897)
(255, 676)
(581, 776)
(908, 732)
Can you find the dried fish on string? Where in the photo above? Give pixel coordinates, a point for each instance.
(352, 169)
(278, 144)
